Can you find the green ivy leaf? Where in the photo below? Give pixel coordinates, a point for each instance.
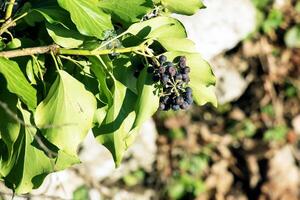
(89, 19)
(177, 44)
(187, 7)
(147, 104)
(158, 27)
(71, 108)
(65, 37)
(123, 65)
(100, 115)
(9, 132)
(97, 68)
(32, 163)
(50, 11)
(34, 68)
(17, 83)
(14, 44)
(117, 123)
(126, 11)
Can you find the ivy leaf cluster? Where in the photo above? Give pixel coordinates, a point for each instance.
(68, 67)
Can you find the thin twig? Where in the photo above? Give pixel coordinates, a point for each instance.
(9, 9)
(10, 23)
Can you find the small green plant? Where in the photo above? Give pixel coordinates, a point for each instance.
(71, 66)
(268, 19)
(188, 179)
(81, 193)
(273, 21)
(277, 133)
(134, 178)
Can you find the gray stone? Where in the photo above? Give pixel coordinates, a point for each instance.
(221, 26)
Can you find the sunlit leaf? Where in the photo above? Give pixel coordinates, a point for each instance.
(89, 19)
(187, 7)
(117, 123)
(158, 27)
(17, 83)
(68, 113)
(127, 11)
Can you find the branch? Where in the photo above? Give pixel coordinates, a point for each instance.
(61, 51)
(29, 51)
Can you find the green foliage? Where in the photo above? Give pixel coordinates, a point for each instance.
(89, 19)
(51, 96)
(81, 193)
(183, 7)
(290, 90)
(261, 4)
(248, 129)
(277, 133)
(189, 180)
(268, 18)
(269, 110)
(17, 82)
(64, 109)
(273, 21)
(134, 178)
(126, 11)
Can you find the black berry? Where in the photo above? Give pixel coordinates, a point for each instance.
(175, 107)
(150, 70)
(161, 70)
(155, 78)
(172, 79)
(162, 59)
(165, 79)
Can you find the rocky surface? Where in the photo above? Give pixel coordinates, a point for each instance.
(221, 26)
(282, 167)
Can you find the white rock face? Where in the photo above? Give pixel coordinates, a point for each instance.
(230, 85)
(296, 124)
(283, 176)
(280, 3)
(221, 26)
(98, 162)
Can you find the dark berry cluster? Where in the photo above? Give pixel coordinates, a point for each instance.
(173, 79)
(154, 13)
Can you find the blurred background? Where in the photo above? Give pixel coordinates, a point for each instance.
(247, 148)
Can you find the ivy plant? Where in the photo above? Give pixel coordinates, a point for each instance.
(71, 66)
